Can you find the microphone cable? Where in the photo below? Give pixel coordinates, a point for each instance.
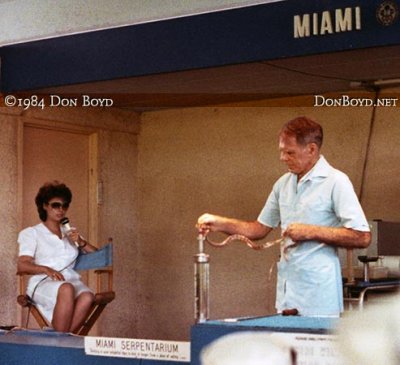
(30, 298)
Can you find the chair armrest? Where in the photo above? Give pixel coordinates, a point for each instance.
(104, 271)
(104, 298)
(99, 273)
(23, 300)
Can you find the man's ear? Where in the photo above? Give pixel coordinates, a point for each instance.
(313, 148)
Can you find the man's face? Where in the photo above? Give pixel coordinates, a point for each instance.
(299, 159)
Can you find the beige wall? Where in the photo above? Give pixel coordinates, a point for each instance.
(224, 160)
(381, 199)
(9, 216)
(163, 169)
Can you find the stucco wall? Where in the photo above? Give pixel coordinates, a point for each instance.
(118, 219)
(9, 216)
(381, 198)
(224, 160)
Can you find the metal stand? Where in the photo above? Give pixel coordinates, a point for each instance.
(201, 269)
(366, 260)
(201, 283)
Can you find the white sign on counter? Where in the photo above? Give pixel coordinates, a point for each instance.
(137, 348)
(313, 349)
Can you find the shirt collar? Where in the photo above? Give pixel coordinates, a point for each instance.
(42, 227)
(320, 169)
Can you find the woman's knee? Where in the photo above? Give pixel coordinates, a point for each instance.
(87, 297)
(66, 290)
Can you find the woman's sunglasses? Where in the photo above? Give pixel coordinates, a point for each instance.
(58, 205)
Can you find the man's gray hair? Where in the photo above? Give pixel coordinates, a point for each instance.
(306, 130)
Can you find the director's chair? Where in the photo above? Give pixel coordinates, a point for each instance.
(101, 262)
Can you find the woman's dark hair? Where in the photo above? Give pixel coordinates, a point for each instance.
(49, 191)
(305, 130)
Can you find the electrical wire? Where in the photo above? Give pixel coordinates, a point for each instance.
(30, 298)
(368, 146)
(308, 73)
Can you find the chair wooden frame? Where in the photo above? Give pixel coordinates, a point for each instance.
(99, 261)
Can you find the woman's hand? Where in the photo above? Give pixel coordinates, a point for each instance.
(84, 245)
(26, 265)
(53, 274)
(73, 235)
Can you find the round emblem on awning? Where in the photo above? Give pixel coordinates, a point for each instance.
(387, 13)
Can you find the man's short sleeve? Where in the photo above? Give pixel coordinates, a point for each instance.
(270, 214)
(27, 242)
(347, 206)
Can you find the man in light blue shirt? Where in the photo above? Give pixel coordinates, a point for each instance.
(318, 211)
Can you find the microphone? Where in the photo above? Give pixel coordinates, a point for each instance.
(65, 223)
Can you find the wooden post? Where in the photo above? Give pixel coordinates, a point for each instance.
(350, 271)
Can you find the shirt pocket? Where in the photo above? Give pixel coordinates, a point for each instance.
(314, 210)
(287, 211)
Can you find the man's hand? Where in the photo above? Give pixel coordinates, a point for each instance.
(208, 222)
(299, 232)
(215, 223)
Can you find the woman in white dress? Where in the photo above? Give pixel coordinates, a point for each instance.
(48, 253)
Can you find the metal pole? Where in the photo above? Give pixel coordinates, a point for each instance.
(201, 283)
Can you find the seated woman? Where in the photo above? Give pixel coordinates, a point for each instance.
(48, 252)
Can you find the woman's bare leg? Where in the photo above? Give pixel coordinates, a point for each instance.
(64, 308)
(82, 306)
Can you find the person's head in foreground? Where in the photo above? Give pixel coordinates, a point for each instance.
(372, 336)
(248, 348)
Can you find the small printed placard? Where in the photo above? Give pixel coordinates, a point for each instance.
(314, 349)
(137, 348)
